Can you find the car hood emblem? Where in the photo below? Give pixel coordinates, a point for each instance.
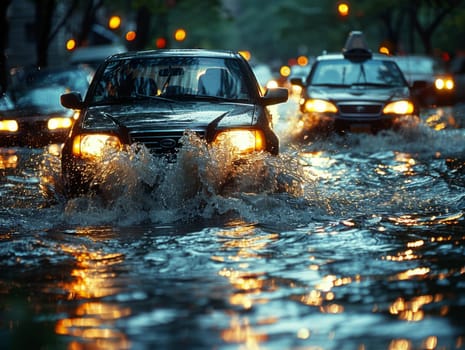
(167, 143)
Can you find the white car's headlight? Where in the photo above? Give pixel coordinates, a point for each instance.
(241, 141)
(320, 106)
(93, 145)
(403, 107)
(8, 125)
(59, 123)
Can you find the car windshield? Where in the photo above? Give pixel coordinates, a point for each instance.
(71, 78)
(173, 78)
(343, 72)
(47, 98)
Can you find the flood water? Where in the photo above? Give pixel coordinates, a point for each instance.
(354, 242)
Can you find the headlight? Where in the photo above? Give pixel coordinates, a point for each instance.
(92, 145)
(59, 123)
(444, 83)
(320, 106)
(241, 141)
(399, 107)
(8, 125)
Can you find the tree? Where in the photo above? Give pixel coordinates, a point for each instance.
(427, 15)
(403, 22)
(4, 4)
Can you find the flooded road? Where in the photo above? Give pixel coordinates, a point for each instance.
(354, 242)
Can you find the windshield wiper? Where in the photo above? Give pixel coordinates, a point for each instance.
(330, 84)
(206, 98)
(153, 97)
(374, 84)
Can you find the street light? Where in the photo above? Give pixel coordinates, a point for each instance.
(180, 34)
(114, 22)
(70, 44)
(343, 9)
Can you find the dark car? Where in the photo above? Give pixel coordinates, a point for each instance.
(435, 87)
(355, 90)
(153, 97)
(457, 71)
(71, 77)
(37, 118)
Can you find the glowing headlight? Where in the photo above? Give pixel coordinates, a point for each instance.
(320, 106)
(444, 84)
(241, 141)
(59, 123)
(399, 107)
(272, 84)
(8, 125)
(92, 145)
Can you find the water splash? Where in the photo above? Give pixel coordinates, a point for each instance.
(204, 182)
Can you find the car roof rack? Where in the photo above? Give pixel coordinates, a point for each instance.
(356, 47)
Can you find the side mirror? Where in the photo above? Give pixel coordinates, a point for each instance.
(71, 100)
(419, 84)
(275, 95)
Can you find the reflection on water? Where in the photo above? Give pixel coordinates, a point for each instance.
(350, 243)
(8, 159)
(91, 279)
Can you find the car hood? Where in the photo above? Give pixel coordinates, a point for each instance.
(173, 115)
(35, 112)
(359, 93)
(412, 77)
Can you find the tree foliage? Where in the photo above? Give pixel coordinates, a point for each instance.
(271, 30)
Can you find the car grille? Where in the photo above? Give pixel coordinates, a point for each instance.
(159, 142)
(34, 125)
(360, 109)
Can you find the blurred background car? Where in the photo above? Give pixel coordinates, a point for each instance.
(434, 85)
(457, 71)
(354, 90)
(92, 56)
(37, 118)
(73, 78)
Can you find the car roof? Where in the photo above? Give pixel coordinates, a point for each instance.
(339, 56)
(178, 53)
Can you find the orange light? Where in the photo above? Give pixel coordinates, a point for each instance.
(70, 44)
(246, 54)
(384, 50)
(114, 22)
(343, 9)
(302, 61)
(131, 35)
(180, 34)
(160, 43)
